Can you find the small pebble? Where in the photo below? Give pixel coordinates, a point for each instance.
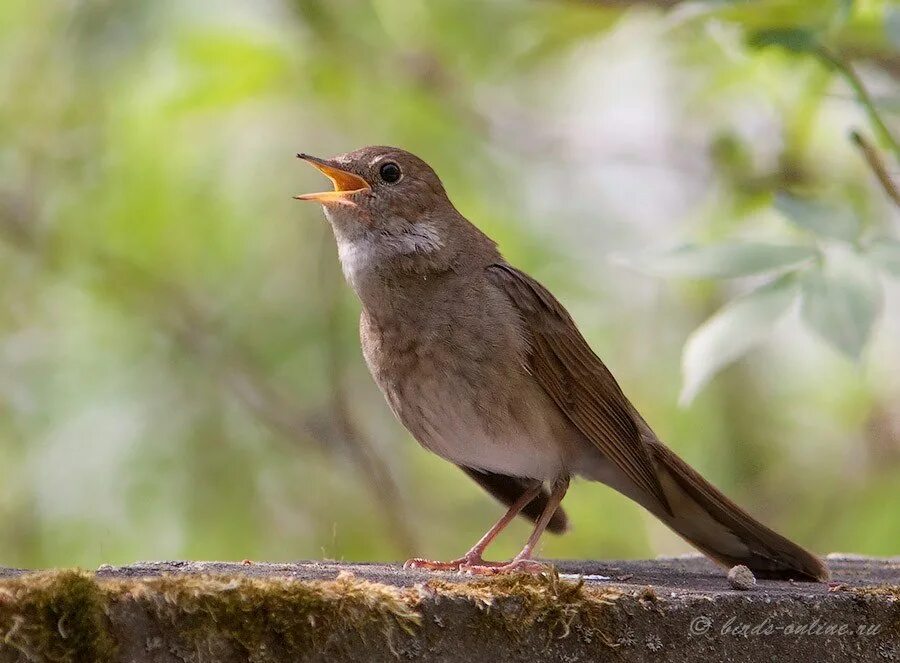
(740, 577)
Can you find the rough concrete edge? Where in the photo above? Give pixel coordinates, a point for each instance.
(73, 616)
(65, 615)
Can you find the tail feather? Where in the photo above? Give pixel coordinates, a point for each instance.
(720, 528)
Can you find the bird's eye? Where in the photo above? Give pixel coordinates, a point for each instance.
(390, 172)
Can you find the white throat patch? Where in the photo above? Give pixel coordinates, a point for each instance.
(361, 254)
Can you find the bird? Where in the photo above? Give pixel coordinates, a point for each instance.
(488, 370)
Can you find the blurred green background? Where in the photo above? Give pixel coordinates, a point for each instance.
(180, 375)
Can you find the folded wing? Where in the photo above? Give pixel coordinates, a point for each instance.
(577, 380)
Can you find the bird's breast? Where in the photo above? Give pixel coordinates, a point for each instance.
(458, 384)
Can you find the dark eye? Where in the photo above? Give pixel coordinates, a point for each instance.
(390, 172)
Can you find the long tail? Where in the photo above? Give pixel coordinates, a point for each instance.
(707, 519)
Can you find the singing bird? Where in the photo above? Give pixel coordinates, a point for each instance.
(484, 366)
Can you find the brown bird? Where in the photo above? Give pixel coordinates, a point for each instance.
(488, 370)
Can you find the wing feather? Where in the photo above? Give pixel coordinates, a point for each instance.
(563, 363)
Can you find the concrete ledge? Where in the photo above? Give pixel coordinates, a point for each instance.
(673, 610)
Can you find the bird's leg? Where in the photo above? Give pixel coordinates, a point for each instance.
(474, 555)
(523, 561)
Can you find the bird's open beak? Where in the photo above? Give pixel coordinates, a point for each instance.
(345, 183)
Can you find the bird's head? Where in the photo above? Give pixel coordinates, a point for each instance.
(388, 209)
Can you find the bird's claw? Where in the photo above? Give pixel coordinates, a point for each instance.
(496, 568)
(475, 565)
(460, 564)
(431, 565)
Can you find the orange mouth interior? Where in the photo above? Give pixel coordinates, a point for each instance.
(345, 183)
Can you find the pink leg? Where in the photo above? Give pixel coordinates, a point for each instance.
(523, 561)
(474, 556)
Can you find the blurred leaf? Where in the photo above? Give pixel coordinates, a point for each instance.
(841, 301)
(724, 261)
(229, 67)
(784, 15)
(796, 40)
(845, 10)
(892, 26)
(821, 219)
(731, 332)
(885, 254)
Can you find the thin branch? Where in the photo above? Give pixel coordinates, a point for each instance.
(862, 95)
(876, 163)
(886, 60)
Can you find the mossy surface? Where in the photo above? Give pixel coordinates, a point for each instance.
(57, 617)
(62, 616)
(521, 603)
(274, 619)
(889, 592)
(181, 612)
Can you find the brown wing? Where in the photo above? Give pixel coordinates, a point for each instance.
(508, 489)
(565, 366)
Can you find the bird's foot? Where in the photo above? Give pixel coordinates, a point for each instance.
(431, 565)
(496, 568)
(453, 565)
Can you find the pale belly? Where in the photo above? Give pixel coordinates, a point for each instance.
(519, 435)
(456, 381)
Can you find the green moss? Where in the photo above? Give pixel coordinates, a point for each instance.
(275, 618)
(890, 592)
(519, 603)
(61, 617)
(56, 616)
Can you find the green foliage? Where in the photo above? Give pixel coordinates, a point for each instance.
(820, 219)
(179, 368)
(725, 260)
(795, 40)
(841, 297)
(841, 300)
(885, 254)
(732, 331)
(841, 292)
(892, 26)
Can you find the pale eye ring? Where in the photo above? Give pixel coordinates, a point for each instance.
(390, 172)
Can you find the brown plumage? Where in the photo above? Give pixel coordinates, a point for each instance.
(488, 370)
(578, 382)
